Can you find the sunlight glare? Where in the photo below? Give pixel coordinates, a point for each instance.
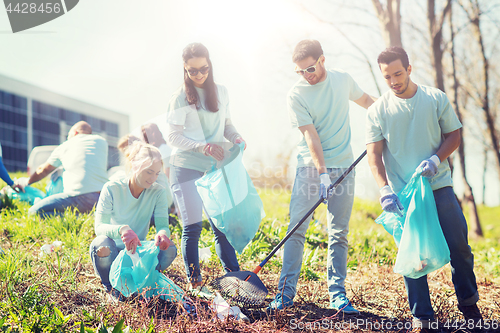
(256, 21)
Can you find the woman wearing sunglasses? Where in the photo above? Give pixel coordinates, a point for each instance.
(199, 122)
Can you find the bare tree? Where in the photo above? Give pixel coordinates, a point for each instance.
(390, 21)
(473, 10)
(468, 198)
(435, 24)
(357, 47)
(485, 152)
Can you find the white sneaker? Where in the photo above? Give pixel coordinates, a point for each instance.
(242, 317)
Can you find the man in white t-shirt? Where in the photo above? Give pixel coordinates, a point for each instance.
(318, 106)
(414, 126)
(84, 158)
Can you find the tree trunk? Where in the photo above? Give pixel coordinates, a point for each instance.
(390, 21)
(436, 34)
(484, 173)
(490, 120)
(475, 226)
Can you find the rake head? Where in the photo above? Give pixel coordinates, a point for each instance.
(243, 287)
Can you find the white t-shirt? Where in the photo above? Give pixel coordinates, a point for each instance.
(326, 106)
(412, 129)
(118, 207)
(199, 125)
(84, 159)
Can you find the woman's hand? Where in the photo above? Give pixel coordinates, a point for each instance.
(214, 150)
(240, 140)
(129, 238)
(162, 241)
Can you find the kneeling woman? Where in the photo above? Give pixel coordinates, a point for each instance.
(125, 208)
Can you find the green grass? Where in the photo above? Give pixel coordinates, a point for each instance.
(33, 287)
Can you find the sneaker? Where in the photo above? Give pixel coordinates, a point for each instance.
(189, 307)
(342, 304)
(471, 312)
(114, 296)
(424, 326)
(202, 292)
(242, 317)
(280, 302)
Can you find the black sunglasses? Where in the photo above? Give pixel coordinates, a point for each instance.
(194, 71)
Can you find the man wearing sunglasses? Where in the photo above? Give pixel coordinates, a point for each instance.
(318, 105)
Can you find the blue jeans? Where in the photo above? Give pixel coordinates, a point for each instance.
(454, 228)
(190, 207)
(102, 264)
(56, 204)
(305, 194)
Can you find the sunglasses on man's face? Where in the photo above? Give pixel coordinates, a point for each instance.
(194, 71)
(310, 69)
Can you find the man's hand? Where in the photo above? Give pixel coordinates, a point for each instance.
(214, 150)
(20, 183)
(390, 201)
(162, 241)
(430, 166)
(129, 238)
(324, 193)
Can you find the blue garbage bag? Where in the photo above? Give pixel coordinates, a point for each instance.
(55, 184)
(418, 234)
(29, 195)
(142, 277)
(232, 201)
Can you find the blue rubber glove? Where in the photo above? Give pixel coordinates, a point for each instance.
(390, 201)
(430, 166)
(323, 187)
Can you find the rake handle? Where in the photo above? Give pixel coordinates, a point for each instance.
(288, 235)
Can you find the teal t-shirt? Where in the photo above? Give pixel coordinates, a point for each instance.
(413, 131)
(84, 159)
(118, 207)
(326, 105)
(199, 125)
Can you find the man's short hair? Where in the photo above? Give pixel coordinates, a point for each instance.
(307, 48)
(393, 53)
(82, 127)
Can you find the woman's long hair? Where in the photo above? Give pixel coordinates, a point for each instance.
(198, 50)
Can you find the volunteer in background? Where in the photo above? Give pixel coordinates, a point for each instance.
(84, 158)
